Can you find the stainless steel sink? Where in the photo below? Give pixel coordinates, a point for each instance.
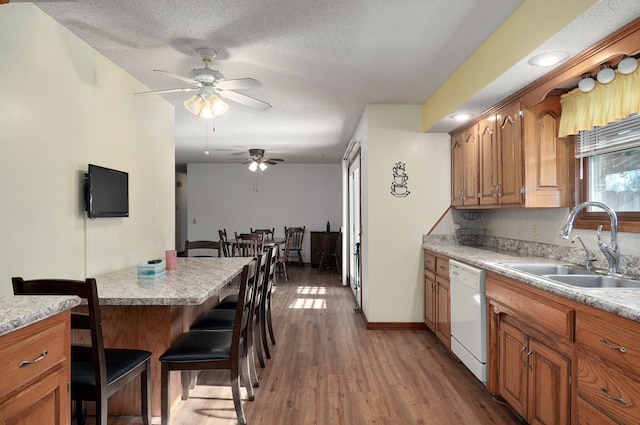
(540, 269)
(595, 281)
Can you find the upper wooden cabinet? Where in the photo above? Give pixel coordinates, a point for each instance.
(520, 161)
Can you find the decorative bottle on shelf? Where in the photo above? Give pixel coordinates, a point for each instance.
(328, 226)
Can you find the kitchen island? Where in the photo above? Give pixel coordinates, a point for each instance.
(150, 314)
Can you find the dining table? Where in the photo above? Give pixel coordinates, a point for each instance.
(151, 313)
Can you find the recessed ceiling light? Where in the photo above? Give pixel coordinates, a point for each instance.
(462, 116)
(548, 59)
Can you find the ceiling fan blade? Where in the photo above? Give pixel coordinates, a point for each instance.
(275, 159)
(245, 100)
(268, 161)
(165, 91)
(240, 83)
(180, 77)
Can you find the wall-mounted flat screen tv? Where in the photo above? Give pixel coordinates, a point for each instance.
(106, 192)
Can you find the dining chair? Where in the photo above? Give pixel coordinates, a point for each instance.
(224, 242)
(335, 254)
(265, 319)
(204, 350)
(248, 244)
(96, 372)
(220, 318)
(268, 233)
(208, 245)
(297, 236)
(281, 260)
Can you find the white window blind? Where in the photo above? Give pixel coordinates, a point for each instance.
(616, 136)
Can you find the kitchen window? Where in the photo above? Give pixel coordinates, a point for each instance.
(608, 171)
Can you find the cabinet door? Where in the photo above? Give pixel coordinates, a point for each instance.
(470, 149)
(509, 135)
(549, 374)
(546, 156)
(443, 316)
(429, 299)
(46, 402)
(489, 162)
(457, 170)
(513, 367)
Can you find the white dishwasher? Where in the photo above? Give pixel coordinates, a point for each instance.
(469, 317)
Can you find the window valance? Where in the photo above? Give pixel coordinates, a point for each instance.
(605, 104)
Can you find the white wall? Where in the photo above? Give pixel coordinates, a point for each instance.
(62, 106)
(393, 226)
(232, 197)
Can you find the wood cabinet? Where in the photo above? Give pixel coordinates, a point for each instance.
(322, 242)
(464, 168)
(531, 345)
(437, 314)
(34, 389)
(608, 368)
(521, 161)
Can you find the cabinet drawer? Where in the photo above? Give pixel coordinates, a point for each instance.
(589, 415)
(430, 262)
(616, 340)
(595, 377)
(47, 345)
(442, 266)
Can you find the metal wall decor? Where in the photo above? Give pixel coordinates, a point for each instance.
(399, 187)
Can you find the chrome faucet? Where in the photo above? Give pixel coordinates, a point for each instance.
(610, 251)
(588, 258)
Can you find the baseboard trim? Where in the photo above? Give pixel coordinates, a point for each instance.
(396, 326)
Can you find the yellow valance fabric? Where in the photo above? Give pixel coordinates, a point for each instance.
(606, 103)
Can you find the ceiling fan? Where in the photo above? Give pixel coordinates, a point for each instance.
(258, 160)
(208, 83)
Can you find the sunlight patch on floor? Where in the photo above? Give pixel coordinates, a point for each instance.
(309, 303)
(311, 290)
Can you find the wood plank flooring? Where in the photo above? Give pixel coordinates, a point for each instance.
(326, 368)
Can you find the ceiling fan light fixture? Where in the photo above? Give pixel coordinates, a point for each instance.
(253, 166)
(262, 166)
(206, 107)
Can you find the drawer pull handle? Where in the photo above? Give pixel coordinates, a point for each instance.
(618, 399)
(36, 360)
(521, 359)
(621, 349)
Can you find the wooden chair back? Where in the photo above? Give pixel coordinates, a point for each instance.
(268, 233)
(248, 244)
(208, 245)
(297, 236)
(224, 242)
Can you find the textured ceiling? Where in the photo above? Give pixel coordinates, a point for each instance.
(320, 62)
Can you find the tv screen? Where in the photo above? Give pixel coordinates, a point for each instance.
(107, 192)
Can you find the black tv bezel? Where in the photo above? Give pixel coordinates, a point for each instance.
(88, 189)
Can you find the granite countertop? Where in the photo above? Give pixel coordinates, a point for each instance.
(18, 311)
(194, 281)
(623, 302)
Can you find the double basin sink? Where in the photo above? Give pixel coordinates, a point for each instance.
(573, 275)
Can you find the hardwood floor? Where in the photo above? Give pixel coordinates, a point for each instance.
(328, 369)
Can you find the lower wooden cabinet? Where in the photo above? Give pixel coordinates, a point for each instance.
(534, 379)
(437, 300)
(35, 374)
(530, 357)
(322, 242)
